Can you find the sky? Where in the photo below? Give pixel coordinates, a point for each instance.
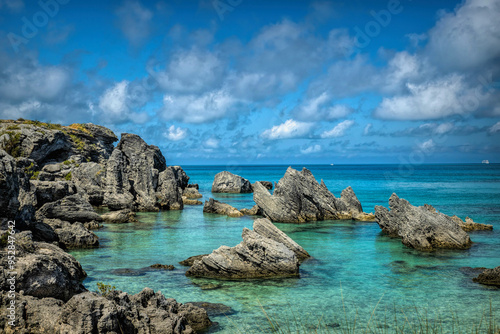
(234, 82)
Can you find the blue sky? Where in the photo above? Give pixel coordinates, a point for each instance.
(263, 82)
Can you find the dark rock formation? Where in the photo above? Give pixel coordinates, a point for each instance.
(489, 277)
(190, 260)
(267, 184)
(73, 235)
(214, 206)
(299, 198)
(117, 312)
(169, 192)
(162, 266)
(419, 227)
(43, 270)
(226, 182)
(257, 256)
(9, 186)
(72, 208)
(119, 217)
(90, 178)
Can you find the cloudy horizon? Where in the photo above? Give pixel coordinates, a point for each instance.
(254, 82)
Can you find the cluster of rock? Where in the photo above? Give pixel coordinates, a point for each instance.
(264, 252)
(489, 277)
(422, 228)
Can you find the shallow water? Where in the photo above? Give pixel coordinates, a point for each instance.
(354, 270)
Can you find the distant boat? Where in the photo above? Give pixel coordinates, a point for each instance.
(486, 162)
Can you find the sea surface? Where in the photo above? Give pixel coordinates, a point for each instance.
(356, 274)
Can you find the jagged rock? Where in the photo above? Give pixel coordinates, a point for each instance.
(181, 177)
(169, 192)
(119, 217)
(419, 227)
(214, 206)
(43, 270)
(267, 184)
(45, 143)
(190, 260)
(187, 201)
(266, 228)
(9, 186)
(489, 277)
(254, 211)
(74, 235)
(299, 198)
(46, 191)
(469, 225)
(117, 195)
(264, 252)
(191, 193)
(364, 217)
(118, 312)
(226, 182)
(71, 208)
(90, 177)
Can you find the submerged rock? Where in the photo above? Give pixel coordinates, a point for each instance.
(119, 217)
(214, 206)
(489, 277)
(226, 182)
(162, 266)
(469, 225)
(299, 198)
(214, 309)
(263, 253)
(419, 227)
(190, 260)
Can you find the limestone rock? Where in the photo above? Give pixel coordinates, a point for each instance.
(254, 211)
(119, 217)
(169, 192)
(214, 206)
(420, 228)
(226, 182)
(117, 194)
(299, 198)
(46, 191)
(188, 201)
(190, 260)
(9, 186)
(489, 277)
(71, 208)
(191, 193)
(469, 225)
(74, 235)
(267, 184)
(90, 178)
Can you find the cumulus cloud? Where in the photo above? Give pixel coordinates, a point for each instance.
(212, 143)
(431, 100)
(311, 149)
(115, 101)
(290, 129)
(175, 133)
(339, 129)
(427, 146)
(197, 108)
(367, 129)
(495, 128)
(321, 108)
(134, 20)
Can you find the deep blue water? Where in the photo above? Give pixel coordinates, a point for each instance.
(354, 269)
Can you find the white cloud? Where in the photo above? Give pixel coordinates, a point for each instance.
(443, 128)
(436, 99)
(367, 129)
(289, 129)
(175, 133)
(134, 20)
(114, 103)
(212, 143)
(427, 146)
(320, 108)
(495, 128)
(311, 149)
(197, 108)
(339, 129)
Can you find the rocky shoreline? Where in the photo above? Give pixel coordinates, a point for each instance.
(52, 177)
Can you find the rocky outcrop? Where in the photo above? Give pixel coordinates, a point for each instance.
(268, 185)
(190, 260)
(119, 217)
(43, 270)
(489, 277)
(469, 225)
(72, 235)
(254, 211)
(46, 191)
(169, 191)
(191, 193)
(90, 178)
(9, 186)
(72, 208)
(226, 182)
(419, 227)
(45, 143)
(299, 198)
(264, 252)
(214, 206)
(117, 312)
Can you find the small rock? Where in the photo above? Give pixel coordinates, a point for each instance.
(190, 260)
(226, 182)
(489, 277)
(162, 266)
(214, 206)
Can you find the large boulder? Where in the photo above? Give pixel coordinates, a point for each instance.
(214, 206)
(43, 270)
(489, 277)
(299, 198)
(72, 235)
(47, 191)
(118, 189)
(90, 178)
(117, 312)
(226, 182)
(263, 253)
(72, 208)
(419, 227)
(169, 192)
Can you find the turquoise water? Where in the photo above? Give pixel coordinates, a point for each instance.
(354, 270)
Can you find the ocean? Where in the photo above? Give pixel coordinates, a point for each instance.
(356, 274)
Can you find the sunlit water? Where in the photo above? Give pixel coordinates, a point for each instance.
(354, 270)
